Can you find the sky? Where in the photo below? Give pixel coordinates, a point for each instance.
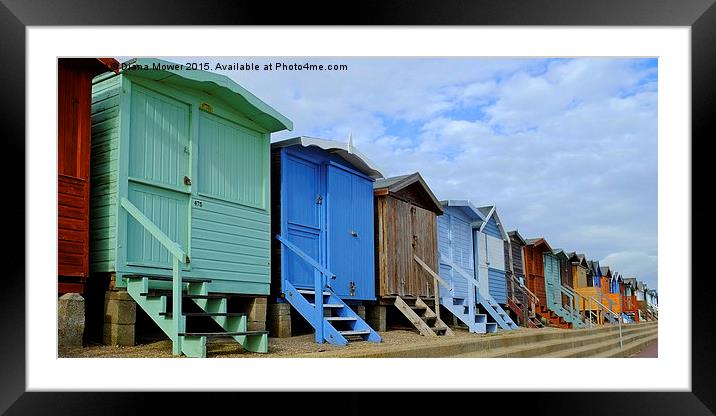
(565, 148)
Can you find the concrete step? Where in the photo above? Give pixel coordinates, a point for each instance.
(535, 349)
(629, 349)
(480, 343)
(594, 349)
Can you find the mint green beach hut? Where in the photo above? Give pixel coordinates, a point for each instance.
(181, 195)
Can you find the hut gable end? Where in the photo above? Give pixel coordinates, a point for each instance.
(410, 188)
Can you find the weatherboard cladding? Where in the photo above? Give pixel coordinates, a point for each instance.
(74, 76)
(492, 229)
(404, 229)
(326, 210)
(517, 258)
(455, 243)
(104, 174)
(491, 257)
(195, 164)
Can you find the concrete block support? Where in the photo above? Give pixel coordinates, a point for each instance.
(120, 315)
(359, 310)
(279, 320)
(256, 314)
(71, 319)
(377, 317)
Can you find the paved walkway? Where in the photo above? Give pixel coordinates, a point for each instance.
(652, 351)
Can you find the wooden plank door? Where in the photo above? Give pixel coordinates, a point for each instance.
(303, 223)
(424, 245)
(350, 229)
(159, 161)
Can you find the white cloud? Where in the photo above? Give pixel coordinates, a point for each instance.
(566, 148)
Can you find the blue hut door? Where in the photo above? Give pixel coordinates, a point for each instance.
(303, 209)
(350, 233)
(158, 175)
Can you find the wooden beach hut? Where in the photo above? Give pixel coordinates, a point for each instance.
(560, 298)
(535, 253)
(611, 290)
(406, 250)
(490, 238)
(583, 283)
(520, 299)
(323, 224)
(458, 244)
(645, 309)
(74, 102)
(630, 305)
(180, 196)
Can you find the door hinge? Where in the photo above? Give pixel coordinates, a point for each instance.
(187, 181)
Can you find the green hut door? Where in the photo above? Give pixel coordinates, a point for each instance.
(158, 175)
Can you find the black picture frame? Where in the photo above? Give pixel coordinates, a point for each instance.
(15, 15)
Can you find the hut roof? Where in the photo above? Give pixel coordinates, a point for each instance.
(396, 184)
(631, 281)
(467, 208)
(560, 253)
(343, 149)
(537, 241)
(212, 83)
(516, 234)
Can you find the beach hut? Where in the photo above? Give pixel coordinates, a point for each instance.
(180, 196)
(459, 245)
(645, 310)
(323, 224)
(560, 298)
(583, 283)
(610, 287)
(490, 238)
(630, 305)
(406, 250)
(74, 99)
(535, 252)
(519, 298)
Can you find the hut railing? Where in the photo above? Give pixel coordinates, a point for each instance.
(619, 319)
(321, 275)
(576, 297)
(531, 298)
(179, 256)
(437, 280)
(472, 284)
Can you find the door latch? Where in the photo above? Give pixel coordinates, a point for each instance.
(187, 181)
(354, 233)
(319, 200)
(352, 288)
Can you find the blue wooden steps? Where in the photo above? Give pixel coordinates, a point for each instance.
(461, 309)
(339, 326)
(154, 301)
(501, 317)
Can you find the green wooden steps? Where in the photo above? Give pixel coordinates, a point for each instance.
(154, 301)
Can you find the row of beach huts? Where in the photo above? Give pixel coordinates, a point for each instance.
(173, 200)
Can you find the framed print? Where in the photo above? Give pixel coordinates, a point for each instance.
(460, 183)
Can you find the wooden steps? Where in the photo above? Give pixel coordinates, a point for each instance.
(423, 318)
(552, 318)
